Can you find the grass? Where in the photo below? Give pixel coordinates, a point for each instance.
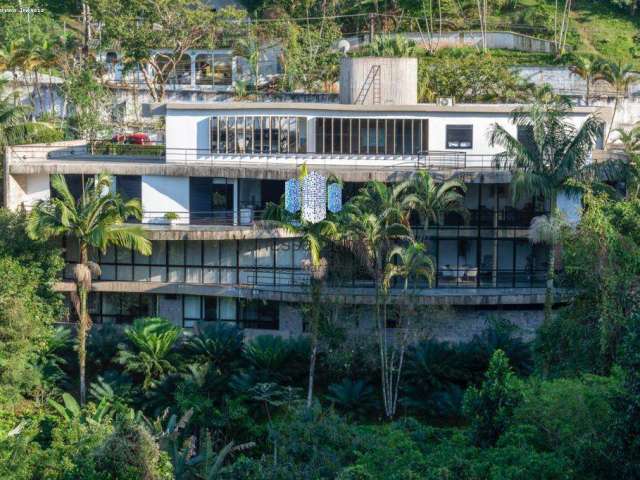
(605, 30)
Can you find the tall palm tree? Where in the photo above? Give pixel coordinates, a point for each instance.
(555, 157)
(619, 75)
(314, 237)
(429, 199)
(587, 68)
(370, 225)
(547, 230)
(410, 263)
(97, 221)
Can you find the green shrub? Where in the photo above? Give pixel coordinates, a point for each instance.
(130, 452)
(490, 407)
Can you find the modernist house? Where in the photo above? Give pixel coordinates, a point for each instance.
(203, 194)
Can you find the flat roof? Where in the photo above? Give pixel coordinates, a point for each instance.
(340, 107)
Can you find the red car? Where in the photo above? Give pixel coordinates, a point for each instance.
(132, 138)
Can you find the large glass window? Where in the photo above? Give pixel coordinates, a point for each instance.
(258, 314)
(264, 134)
(460, 136)
(120, 307)
(371, 136)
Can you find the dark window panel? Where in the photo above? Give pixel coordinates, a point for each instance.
(459, 137)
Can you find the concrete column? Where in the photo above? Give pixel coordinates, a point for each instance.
(193, 69)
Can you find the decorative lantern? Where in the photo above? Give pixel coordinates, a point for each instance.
(314, 197)
(292, 195)
(334, 197)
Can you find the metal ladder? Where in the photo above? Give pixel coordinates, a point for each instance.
(372, 80)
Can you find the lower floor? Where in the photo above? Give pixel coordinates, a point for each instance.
(259, 317)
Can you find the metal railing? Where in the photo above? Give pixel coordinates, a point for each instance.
(294, 278)
(241, 216)
(105, 151)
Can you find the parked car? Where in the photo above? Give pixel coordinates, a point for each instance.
(132, 138)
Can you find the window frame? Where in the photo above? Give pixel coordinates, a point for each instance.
(450, 130)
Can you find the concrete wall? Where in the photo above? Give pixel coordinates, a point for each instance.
(187, 131)
(506, 40)
(165, 194)
(451, 324)
(397, 79)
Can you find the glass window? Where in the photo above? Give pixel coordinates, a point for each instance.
(204, 69)
(407, 128)
(259, 314)
(214, 134)
(364, 137)
(460, 136)
(231, 134)
(525, 137)
(222, 135)
(222, 69)
(210, 308)
(417, 137)
(336, 130)
(182, 72)
(388, 129)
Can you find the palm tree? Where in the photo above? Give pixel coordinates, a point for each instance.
(547, 230)
(13, 119)
(249, 48)
(371, 223)
(555, 158)
(587, 68)
(151, 354)
(429, 200)
(619, 75)
(554, 155)
(97, 221)
(314, 237)
(411, 263)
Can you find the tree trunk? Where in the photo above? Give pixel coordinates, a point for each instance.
(83, 324)
(613, 117)
(548, 294)
(315, 320)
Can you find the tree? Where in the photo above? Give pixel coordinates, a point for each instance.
(97, 220)
(547, 230)
(554, 157)
(490, 408)
(411, 264)
(430, 200)
(151, 353)
(89, 100)
(369, 225)
(587, 68)
(309, 58)
(155, 35)
(12, 119)
(619, 75)
(249, 47)
(314, 237)
(391, 46)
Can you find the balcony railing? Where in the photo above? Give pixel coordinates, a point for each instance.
(242, 216)
(156, 152)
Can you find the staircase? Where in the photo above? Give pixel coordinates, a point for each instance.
(372, 81)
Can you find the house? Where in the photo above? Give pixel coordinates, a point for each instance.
(203, 193)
